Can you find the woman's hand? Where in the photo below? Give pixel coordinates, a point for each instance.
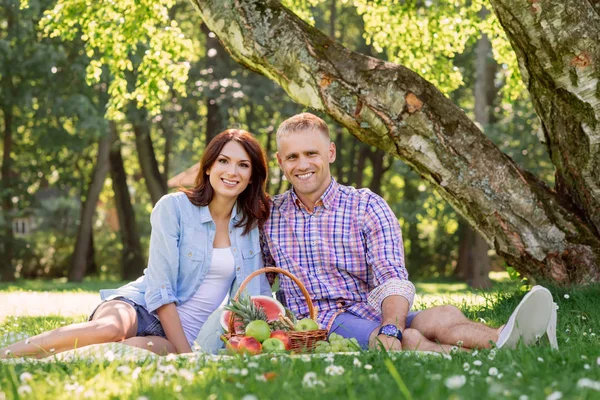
(171, 324)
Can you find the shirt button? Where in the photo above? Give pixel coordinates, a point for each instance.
(190, 254)
(238, 268)
(231, 231)
(163, 286)
(235, 250)
(251, 252)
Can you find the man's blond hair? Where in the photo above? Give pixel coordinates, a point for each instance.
(301, 123)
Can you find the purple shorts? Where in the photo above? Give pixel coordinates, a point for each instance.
(350, 325)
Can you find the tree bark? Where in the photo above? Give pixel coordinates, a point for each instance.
(7, 269)
(215, 119)
(88, 209)
(474, 266)
(167, 129)
(379, 169)
(132, 259)
(558, 47)
(535, 229)
(155, 183)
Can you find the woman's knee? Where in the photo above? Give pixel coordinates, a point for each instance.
(109, 329)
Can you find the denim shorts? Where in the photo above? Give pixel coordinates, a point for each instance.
(147, 324)
(350, 325)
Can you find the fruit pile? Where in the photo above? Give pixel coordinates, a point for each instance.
(261, 324)
(336, 344)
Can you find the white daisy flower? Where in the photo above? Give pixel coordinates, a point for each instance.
(555, 396)
(493, 371)
(455, 381)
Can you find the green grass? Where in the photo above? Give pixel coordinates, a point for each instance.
(536, 372)
(58, 285)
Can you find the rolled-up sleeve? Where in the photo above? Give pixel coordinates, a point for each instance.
(385, 254)
(163, 259)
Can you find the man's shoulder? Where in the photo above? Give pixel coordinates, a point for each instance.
(277, 200)
(362, 195)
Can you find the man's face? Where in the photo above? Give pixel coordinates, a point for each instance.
(304, 158)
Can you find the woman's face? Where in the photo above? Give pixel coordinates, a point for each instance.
(231, 172)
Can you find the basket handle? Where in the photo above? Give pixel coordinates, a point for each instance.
(311, 309)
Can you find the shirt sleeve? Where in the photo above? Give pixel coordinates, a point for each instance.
(385, 254)
(163, 258)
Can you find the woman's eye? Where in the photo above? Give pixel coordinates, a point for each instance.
(245, 165)
(223, 161)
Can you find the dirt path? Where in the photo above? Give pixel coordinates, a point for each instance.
(47, 303)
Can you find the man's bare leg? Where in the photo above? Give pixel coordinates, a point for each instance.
(448, 325)
(413, 340)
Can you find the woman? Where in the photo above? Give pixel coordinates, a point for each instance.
(204, 242)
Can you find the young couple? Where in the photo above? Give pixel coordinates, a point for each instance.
(343, 243)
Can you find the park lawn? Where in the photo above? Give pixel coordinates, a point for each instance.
(535, 372)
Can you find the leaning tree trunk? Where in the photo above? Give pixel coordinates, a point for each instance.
(82, 243)
(132, 259)
(558, 47)
(535, 229)
(7, 269)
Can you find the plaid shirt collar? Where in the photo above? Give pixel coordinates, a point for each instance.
(327, 199)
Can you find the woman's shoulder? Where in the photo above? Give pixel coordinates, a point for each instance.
(177, 203)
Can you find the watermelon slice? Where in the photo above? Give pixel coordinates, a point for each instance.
(271, 306)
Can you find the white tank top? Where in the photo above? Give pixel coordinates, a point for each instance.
(210, 295)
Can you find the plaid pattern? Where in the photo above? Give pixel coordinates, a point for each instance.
(348, 252)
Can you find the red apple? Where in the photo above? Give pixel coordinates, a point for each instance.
(249, 345)
(283, 336)
(233, 344)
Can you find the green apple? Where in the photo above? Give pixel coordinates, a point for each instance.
(306, 324)
(273, 345)
(259, 330)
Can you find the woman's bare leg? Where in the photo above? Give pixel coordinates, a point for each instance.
(113, 321)
(156, 344)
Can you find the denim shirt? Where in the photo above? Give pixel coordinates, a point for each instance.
(181, 248)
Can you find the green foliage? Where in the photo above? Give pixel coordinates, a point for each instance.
(130, 36)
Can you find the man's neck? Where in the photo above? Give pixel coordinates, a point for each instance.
(310, 200)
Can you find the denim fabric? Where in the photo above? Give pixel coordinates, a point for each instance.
(181, 247)
(148, 324)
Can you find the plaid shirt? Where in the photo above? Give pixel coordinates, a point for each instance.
(348, 252)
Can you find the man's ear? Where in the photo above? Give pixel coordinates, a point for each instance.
(332, 152)
(278, 159)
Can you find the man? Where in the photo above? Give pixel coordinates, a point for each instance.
(345, 245)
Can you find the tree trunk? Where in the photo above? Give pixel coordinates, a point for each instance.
(215, 119)
(155, 183)
(379, 169)
(167, 130)
(92, 266)
(558, 47)
(474, 266)
(88, 209)
(536, 230)
(7, 269)
(132, 259)
(414, 259)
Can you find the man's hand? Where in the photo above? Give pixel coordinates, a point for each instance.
(388, 343)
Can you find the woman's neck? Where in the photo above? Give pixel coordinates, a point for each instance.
(220, 209)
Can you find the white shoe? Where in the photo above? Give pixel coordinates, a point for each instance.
(530, 320)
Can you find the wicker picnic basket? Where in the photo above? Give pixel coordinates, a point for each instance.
(300, 341)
